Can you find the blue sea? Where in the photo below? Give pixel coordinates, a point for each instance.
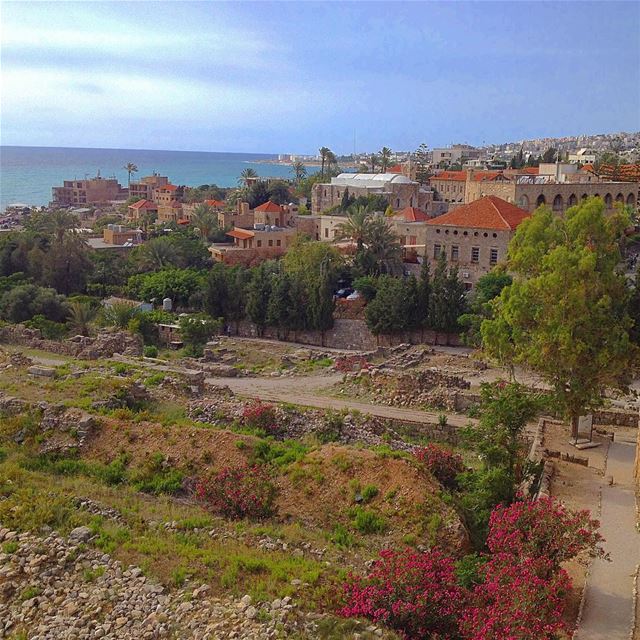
(28, 173)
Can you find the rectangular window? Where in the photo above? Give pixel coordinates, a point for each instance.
(271, 243)
(278, 243)
(455, 252)
(259, 243)
(413, 239)
(326, 233)
(475, 254)
(436, 251)
(494, 256)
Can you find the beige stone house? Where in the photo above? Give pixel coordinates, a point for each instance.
(136, 210)
(253, 246)
(93, 191)
(474, 236)
(146, 186)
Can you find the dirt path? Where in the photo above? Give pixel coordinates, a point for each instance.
(306, 391)
(609, 603)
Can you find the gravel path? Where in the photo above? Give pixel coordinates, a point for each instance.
(609, 604)
(305, 391)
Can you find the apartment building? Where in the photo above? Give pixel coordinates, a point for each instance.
(89, 191)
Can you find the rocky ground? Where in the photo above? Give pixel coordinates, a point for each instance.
(57, 588)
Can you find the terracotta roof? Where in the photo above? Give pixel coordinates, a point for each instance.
(451, 175)
(411, 214)
(269, 207)
(167, 187)
(183, 221)
(397, 168)
(241, 234)
(215, 203)
(532, 171)
(143, 204)
(489, 212)
(623, 173)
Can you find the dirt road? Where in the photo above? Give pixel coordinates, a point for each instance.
(307, 390)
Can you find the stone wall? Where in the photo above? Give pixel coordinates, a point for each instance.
(103, 345)
(349, 334)
(618, 418)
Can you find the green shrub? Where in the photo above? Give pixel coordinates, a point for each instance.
(341, 537)
(10, 547)
(48, 328)
(368, 522)
(156, 476)
(150, 351)
(155, 379)
(369, 493)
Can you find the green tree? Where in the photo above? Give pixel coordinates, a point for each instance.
(373, 161)
(447, 301)
(196, 330)
(385, 158)
(321, 304)
(119, 314)
(392, 308)
(299, 170)
(383, 245)
(258, 294)
(279, 192)
(422, 164)
(183, 286)
(550, 155)
(81, 315)
(324, 153)
(66, 265)
(280, 303)
(205, 221)
(306, 261)
(130, 168)
(565, 315)
(247, 176)
(423, 299)
(25, 301)
(257, 194)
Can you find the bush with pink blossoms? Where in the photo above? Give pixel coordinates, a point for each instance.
(444, 464)
(261, 416)
(543, 528)
(238, 492)
(414, 593)
(522, 600)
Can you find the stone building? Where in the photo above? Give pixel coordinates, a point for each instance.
(146, 186)
(136, 210)
(397, 189)
(253, 246)
(93, 191)
(474, 236)
(118, 234)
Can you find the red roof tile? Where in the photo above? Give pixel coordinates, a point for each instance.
(241, 234)
(451, 175)
(167, 187)
(143, 204)
(489, 212)
(269, 207)
(411, 214)
(397, 168)
(215, 203)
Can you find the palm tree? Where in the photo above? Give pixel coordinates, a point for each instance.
(383, 244)
(247, 176)
(146, 219)
(324, 151)
(130, 168)
(356, 226)
(205, 221)
(156, 254)
(81, 314)
(119, 314)
(373, 160)
(299, 170)
(385, 158)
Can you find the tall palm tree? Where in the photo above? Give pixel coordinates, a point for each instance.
(385, 158)
(323, 158)
(205, 220)
(247, 176)
(299, 170)
(383, 244)
(356, 226)
(81, 314)
(156, 254)
(373, 160)
(130, 168)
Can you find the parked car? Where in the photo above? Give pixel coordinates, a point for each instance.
(343, 293)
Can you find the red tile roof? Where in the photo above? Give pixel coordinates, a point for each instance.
(451, 175)
(269, 207)
(241, 234)
(397, 168)
(167, 187)
(143, 204)
(411, 214)
(215, 203)
(183, 221)
(489, 212)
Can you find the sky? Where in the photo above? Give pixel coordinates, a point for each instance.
(290, 77)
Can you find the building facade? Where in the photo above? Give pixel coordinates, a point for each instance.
(253, 246)
(93, 191)
(474, 237)
(397, 189)
(146, 186)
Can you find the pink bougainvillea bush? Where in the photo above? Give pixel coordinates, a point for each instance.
(520, 594)
(260, 415)
(543, 528)
(516, 601)
(238, 492)
(414, 593)
(443, 463)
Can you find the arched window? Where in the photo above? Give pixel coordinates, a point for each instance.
(620, 198)
(558, 204)
(523, 203)
(631, 201)
(584, 196)
(608, 201)
(541, 200)
(573, 200)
